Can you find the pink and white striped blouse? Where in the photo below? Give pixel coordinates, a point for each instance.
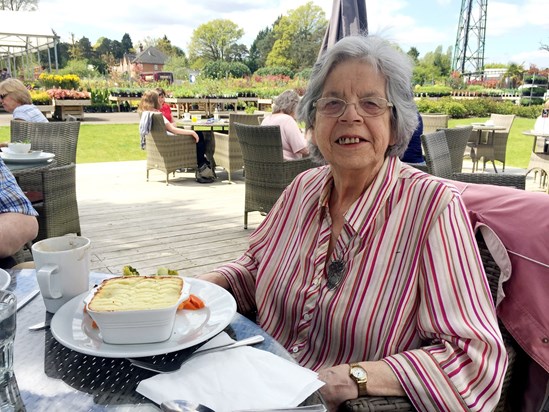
(414, 295)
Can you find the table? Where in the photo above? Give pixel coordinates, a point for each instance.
(21, 169)
(205, 125)
(490, 129)
(539, 158)
(49, 376)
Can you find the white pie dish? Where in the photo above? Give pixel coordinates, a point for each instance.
(136, 326)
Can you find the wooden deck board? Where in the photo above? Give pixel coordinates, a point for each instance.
(186, 226)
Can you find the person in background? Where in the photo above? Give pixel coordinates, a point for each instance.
(149, 105)
(17, 100)
(294, 144)
(5, 74)
(414, 153)
(367, 269)
(18, 223)
(164, 107)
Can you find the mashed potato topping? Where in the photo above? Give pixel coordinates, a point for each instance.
(137, 293)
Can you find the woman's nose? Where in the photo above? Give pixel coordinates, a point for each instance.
(350, 114)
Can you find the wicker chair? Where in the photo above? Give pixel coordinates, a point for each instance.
(457, 138)
(433, 122)
(227, 149)
(54, 190)
(439, 163)
(58, 213)
(267, 173)
(401, 404)
(495, 146)
(168, 152)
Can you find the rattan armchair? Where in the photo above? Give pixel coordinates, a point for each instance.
(267, 173)
(58, 212)
(228, 154)
(495, 146)
(59, 138)
(401, 404)
(168, 153)
(432, 122)
(439, 163)
(457, 138)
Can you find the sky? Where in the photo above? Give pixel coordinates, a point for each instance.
(515, 29)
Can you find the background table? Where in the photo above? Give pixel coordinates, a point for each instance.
(51, 377)
(20, 169)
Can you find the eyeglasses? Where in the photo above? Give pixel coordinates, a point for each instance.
(367, 106)
(3, 95)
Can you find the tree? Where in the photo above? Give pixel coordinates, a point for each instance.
(298, 37)
(17, 5)
(213, 40)
(85, 48)
(178, 65)
(414, 54)
(434, 66)
(127, 44)
(166, 47)
(514, 75)
(261, 47)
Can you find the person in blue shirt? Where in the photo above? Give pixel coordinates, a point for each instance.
(414, 154)
(18, 224)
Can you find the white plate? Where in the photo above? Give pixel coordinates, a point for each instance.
(11, 154)
(5, 279)
(43, 157)
(478, 124)
(73, 329)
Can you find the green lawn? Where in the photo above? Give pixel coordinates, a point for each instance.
(117, 142)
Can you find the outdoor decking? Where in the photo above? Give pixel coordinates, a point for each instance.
(186, 226)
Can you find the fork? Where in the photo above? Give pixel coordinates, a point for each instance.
(176, 365)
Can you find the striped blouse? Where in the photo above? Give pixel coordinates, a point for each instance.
(414, 293)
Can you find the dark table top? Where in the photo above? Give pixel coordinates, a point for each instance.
(49, 376)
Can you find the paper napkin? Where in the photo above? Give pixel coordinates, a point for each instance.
(240, 378)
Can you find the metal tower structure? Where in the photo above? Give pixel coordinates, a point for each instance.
(469, 48)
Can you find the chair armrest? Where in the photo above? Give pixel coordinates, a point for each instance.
(497, 179)
(377, 403)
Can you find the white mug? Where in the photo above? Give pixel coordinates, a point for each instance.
(62, 269)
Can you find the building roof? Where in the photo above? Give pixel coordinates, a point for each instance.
(151, 55)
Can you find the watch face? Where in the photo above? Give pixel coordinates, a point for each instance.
(358, 373)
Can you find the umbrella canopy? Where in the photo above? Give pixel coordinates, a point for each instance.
(348, 18)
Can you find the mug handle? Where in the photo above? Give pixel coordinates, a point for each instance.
(44, 276)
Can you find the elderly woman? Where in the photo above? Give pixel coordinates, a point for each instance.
(366, 269)
(294, 144)
(16, 99)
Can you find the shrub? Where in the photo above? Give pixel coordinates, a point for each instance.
(221, 69)
(275, 70)
(455, 109)
(66, 81)
(304, 74)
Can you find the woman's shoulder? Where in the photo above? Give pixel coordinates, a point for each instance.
(426, 183)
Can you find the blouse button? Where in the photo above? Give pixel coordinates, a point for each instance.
(307, 316)
(545, 340)
(295, 349)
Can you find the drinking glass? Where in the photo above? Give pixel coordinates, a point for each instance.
(8, 310)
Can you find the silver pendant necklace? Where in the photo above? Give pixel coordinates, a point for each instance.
(336, 273)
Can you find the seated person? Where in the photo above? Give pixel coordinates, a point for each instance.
(150, 104)
(18, 224)
(294, 144)
(414, 152)
(365, 269)
(164, 107)
(16, 99)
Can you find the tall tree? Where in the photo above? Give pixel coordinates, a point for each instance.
(213, 40)
(414, 54)
(127, 44)
(298, 37)
(17, 5)
(85, 48)
(165, 46)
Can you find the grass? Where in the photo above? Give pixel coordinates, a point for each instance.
(120, 142)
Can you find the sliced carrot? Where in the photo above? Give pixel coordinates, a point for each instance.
(193, 303)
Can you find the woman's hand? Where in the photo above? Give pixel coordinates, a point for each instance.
(195, 135)
(339, 386)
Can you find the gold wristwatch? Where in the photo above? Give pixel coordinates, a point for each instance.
(360, 376)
